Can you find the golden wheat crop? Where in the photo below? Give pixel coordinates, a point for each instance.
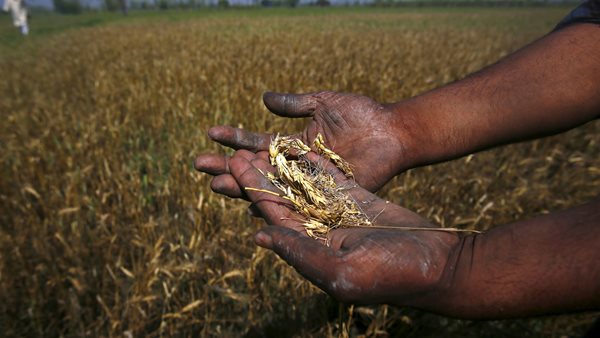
(106, 230)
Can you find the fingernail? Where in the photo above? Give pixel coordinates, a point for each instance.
(212, 133)
(263, 239)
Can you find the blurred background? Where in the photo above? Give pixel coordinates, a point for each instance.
(77, 6)
(106, 229)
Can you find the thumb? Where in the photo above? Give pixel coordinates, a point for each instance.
(290, 105)
(313, 260)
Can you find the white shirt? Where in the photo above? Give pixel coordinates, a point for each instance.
(18, 11)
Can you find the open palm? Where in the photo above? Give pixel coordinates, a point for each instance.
(356, 127)
(360, 265)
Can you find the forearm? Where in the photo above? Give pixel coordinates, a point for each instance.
(549, 264)
(549, 86)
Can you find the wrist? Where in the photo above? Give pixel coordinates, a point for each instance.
(414, 132)
(451, 293)
(437, 126)
(437, 290)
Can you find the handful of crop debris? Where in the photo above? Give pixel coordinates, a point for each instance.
(311, 189)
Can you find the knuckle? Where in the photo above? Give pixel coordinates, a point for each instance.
(247, 174)
(241, 153)
(256, 161)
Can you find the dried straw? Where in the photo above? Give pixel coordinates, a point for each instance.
(312, 190)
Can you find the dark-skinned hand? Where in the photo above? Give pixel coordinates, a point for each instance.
(361, 265)
(365, 133)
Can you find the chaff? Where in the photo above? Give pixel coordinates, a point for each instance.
(313, 191)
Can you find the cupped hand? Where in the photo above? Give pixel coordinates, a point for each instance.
(366, 265)
(369, 135)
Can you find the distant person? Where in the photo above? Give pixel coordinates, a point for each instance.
(18, 10)
(543, 265)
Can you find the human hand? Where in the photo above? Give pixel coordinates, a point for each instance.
(361, 265)
(369, 135)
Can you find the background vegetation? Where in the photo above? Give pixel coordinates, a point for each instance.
(105, 228)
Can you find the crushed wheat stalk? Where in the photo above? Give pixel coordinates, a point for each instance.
(313, 192)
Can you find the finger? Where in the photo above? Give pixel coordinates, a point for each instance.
(228, 186)
(309, 257)
(247, 154)
(237, 138)
(224, 183)
(212, 164)
(290, 105)
(263, 155)
(263, 164)
(218, 164)
(274, 209)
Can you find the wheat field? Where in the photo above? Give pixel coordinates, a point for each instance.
(106, 230)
